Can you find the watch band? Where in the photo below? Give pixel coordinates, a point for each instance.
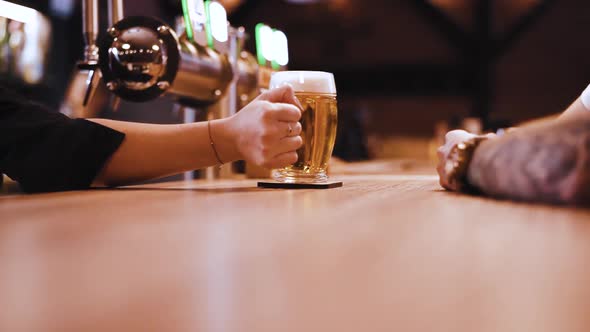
(458, 161)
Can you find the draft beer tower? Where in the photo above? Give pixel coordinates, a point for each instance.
(141, 58)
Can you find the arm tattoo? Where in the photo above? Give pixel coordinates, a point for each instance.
(545, 162)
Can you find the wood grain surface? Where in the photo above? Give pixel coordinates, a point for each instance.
(383, 253)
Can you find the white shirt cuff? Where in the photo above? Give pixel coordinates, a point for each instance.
(586, 98)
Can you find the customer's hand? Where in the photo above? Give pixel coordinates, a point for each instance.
(452, 138)
(267, 131)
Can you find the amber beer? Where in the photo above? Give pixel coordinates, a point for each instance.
(317, 93)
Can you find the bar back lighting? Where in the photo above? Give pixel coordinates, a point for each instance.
(195, 20)
(271, 46)
(197, 12)
(281, 48)
(17, 12)
(188, 26)
(216, 22)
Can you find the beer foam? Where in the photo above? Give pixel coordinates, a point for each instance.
(305, 81)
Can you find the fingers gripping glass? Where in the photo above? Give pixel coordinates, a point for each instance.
(316, 91)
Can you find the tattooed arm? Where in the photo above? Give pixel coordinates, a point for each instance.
(547, 161)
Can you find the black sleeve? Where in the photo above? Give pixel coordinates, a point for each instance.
(47, 151)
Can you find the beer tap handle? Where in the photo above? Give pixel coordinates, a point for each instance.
(115, 103)
(90, 32)
(90, 87)
(90, 29)
(194, 21)
(90, 84)
(216, 26)
(116, 12)
(188, 24)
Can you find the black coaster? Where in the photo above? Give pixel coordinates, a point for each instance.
(282, 185)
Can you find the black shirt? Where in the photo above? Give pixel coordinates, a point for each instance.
(47, 151)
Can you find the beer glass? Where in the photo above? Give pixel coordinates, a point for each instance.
(316, 91)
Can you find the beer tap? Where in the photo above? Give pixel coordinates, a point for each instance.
(90, 33)
(116, 12)
(86, 78)
(247, 71)
(141, 58)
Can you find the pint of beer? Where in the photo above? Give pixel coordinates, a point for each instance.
(316, 92)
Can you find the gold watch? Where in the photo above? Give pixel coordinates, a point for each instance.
(458, 161)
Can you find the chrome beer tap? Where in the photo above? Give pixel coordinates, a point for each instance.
(141, 58)
(116, 12)
(84, 85)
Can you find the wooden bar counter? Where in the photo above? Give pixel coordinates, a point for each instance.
(386, 252)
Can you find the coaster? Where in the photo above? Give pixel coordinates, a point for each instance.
(283, 185)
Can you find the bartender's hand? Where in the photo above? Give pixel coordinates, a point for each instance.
(452, 138)
(267, 131)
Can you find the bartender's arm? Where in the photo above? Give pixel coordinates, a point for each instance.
(46, 151)
(545, 161)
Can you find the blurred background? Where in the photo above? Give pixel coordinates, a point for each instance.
(406, 70)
